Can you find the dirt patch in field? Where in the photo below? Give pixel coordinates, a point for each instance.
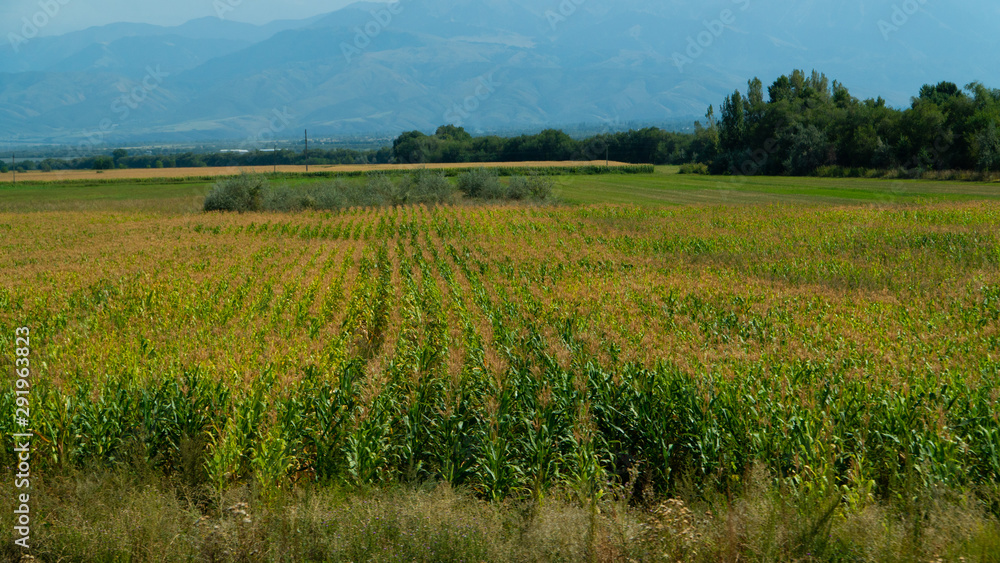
(146, 173)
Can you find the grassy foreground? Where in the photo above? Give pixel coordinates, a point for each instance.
(607, 382)
(97, 516)
(664, 187)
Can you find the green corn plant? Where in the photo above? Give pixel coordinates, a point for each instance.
(225, 458)
(8, 399)
(366, 447)
(54, 424)
(102, 424)
(498, 473)
(454, 436)
(542, 448)
(272, 461)
(586, 474)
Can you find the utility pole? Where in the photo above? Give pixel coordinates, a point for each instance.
(13, 167)
(275, 158)
(306, 153)
(607, 157)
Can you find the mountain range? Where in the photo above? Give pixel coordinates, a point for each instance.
(488, 65)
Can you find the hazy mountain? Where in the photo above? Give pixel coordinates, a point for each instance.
(533, 64)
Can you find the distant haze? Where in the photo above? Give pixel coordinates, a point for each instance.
(80, 14)
(486, 65)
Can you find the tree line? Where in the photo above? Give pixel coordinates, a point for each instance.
(801, 125)
(451, 144)
(807, 125)
(120, 158)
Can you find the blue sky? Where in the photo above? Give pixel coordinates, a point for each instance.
(71, 15)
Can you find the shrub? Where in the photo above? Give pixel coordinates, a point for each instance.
(517, 188)
(382, 186)
(242, 193)
(329, 195)
(694, 168)
(481, 183)
(283, 199)
(429, 188)
(540, 187)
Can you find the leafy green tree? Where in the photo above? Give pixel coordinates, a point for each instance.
(103, 163)
(733, 128)
(781, 90)
(925, 136)
(553, 144)
(819, 82)
(939, 94)
(486, 149)
(453, 133)
(798, 82)
(756, 108)
(809, 150)
(412, 147)
(705, 146)
(191, 160)
(842, 97)
(987, 148)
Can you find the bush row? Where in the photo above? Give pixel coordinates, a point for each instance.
(253, 192)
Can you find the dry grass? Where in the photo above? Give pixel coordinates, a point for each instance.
(152, 173)
(109, 516)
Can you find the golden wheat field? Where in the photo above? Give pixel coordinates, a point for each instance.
(152, 173)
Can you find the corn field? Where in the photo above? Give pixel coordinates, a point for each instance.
(514, 350)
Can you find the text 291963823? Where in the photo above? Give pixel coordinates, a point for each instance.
(22, 438)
